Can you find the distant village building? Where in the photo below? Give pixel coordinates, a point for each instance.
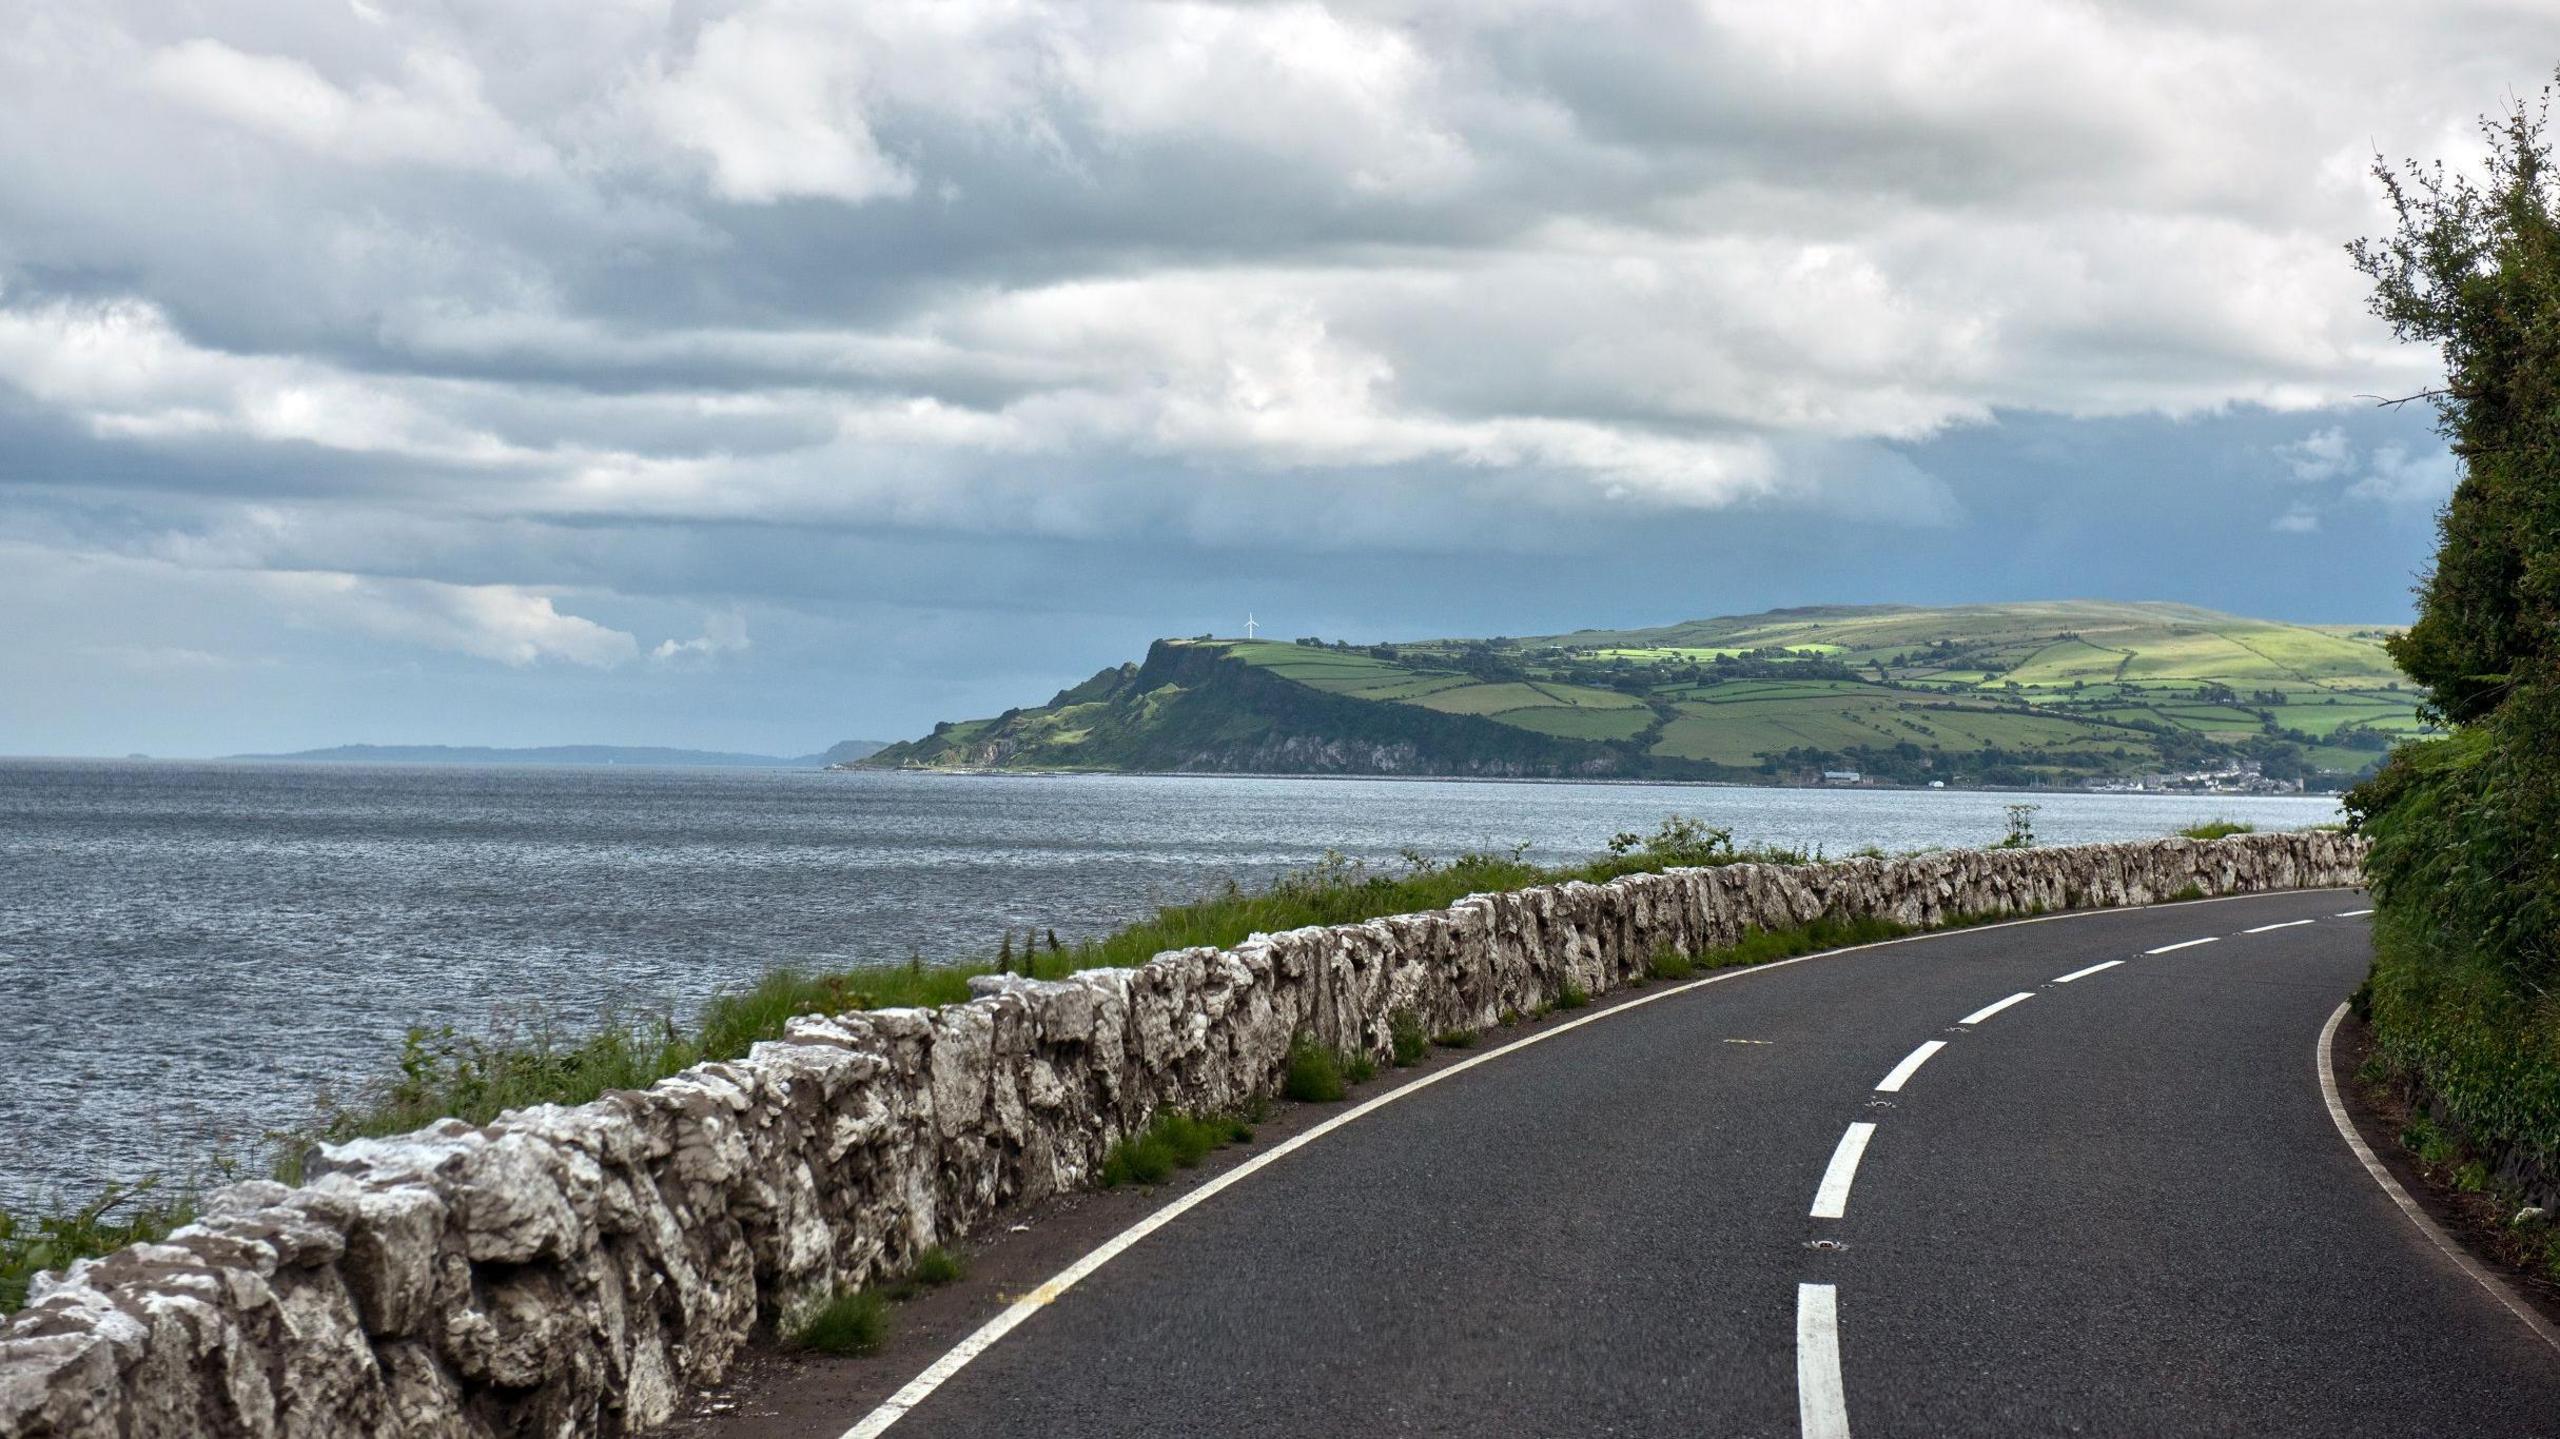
(2232, 777)
(1841, 776)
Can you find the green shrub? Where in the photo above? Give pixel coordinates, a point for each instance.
(2022, 827)
(842, 1323)
(1670, 963)
(1315, 1073)
(936, 1267)
(1172, 1140)
(2217, 829)
(1140, 1159)
(932, 1269)
(1463, 1038)
(1760, 946)
(1405, 1037)
(1570, 995)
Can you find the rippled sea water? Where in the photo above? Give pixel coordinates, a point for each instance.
(190, 952)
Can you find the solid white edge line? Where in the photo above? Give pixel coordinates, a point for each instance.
(2352, 913)
(2288, 924)
(2085, 973)
(2184, 944)
(1821, 1408)
(1831, 1201)
(918, 1389)
(2444, 1243)
(1991, 1009)
(1910, 1065)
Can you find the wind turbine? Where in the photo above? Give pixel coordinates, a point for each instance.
(1248, 624)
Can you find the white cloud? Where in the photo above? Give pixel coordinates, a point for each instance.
(123, 369)
(163, 659)
(774, 103)
(507, 623)
(722, 634)
(436, 115)
(1320, 274)
(2394, 477)
(2320, 455)
(2387, 475)
(1300, 81)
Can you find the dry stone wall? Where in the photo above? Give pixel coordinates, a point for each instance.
(572, 1271)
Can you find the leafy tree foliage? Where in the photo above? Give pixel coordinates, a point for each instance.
(2474, 268)
(2466, 829)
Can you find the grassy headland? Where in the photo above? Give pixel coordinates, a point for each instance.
(1981, 694)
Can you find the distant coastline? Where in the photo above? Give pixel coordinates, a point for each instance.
(1868, 786)
(844, 752)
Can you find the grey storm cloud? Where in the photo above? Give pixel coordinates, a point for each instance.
(622, 335)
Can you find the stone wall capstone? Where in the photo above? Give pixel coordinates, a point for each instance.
(569, 1271)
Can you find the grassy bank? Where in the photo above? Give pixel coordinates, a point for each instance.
(475, 1078)
(2482, 1048)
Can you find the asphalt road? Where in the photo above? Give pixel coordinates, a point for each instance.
(2117, 1206)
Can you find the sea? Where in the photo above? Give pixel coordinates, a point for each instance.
(192, 953)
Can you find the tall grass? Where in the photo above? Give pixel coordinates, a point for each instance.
(124, 1214)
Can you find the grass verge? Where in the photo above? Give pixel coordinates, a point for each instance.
(1315, 1073)
(846, 1322)
(1406, 1040)
(1172, 1140)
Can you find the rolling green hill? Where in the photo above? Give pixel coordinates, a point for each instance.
(1997, 694)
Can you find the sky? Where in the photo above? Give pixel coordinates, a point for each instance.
(754, 374)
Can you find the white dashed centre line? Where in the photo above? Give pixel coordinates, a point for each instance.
(2184, 944)
(1820, 1406)
(2353, 913)
(2085, 973)
(1989, 1010)
(2288, 924)
(1910, 1065)
(1831, 1201)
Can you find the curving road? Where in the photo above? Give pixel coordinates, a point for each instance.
(2111, 1200)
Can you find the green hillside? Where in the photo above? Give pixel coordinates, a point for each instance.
(1999, 694)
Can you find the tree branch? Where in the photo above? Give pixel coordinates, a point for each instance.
(2381, 403)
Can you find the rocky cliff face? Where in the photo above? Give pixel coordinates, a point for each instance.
(571, 1271)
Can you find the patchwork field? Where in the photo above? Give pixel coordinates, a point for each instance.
(1983, 693)
(2085, 686)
